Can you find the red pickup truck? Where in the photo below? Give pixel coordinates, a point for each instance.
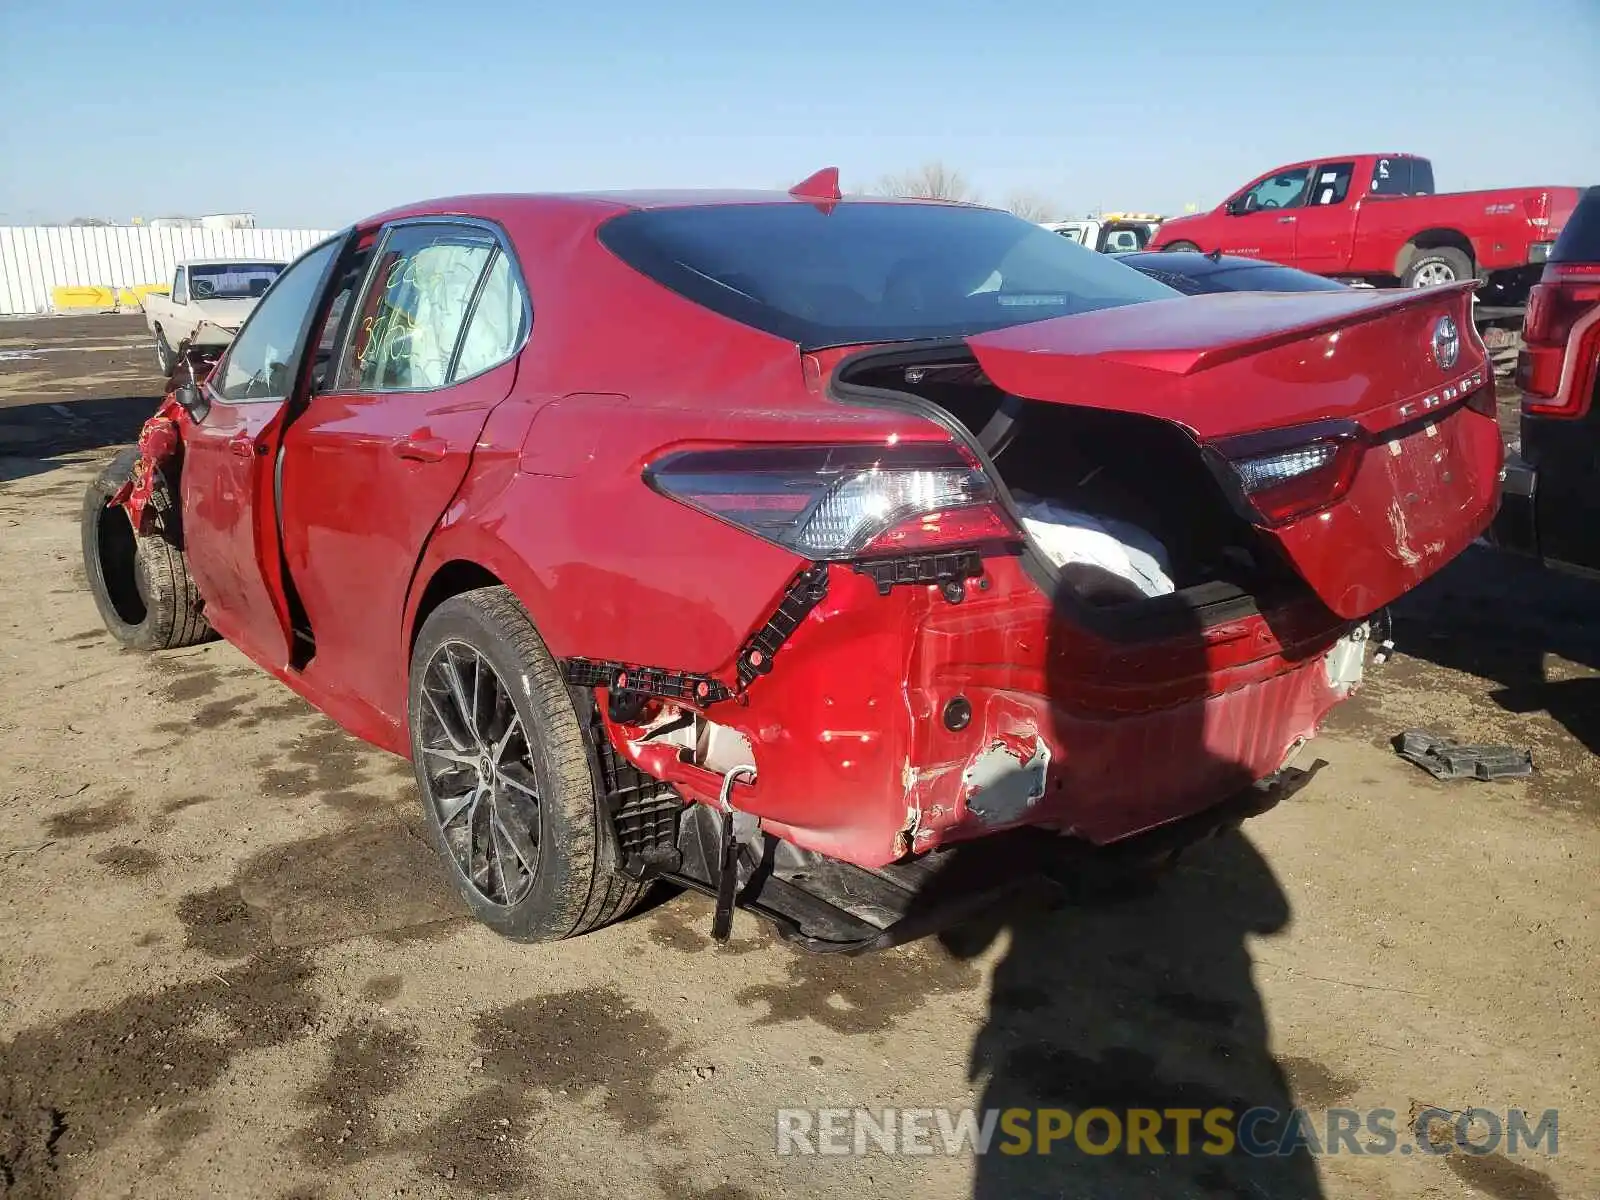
(1375, 217)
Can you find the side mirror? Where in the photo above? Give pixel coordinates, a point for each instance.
(192, 400)
(190, 396)
(1235, 206)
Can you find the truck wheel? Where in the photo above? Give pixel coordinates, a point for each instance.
(1189, 246)
(164, 355)
(1429, 268)
(507, 775)
(141, 585)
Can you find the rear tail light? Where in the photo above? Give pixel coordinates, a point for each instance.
(840, 502)
(1290, 473)
(1561, 298)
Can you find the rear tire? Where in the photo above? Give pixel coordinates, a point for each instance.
(1190, 247)
(1430, 268)
(165, 358)
(515, 781)
(140, 584)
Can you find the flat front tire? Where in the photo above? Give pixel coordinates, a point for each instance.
(507, 775)
(140, 584)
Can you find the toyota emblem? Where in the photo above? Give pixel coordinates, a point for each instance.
(1446, 343)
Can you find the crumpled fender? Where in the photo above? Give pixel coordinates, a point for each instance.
(160, 457)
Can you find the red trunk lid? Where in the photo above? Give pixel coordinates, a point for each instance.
(1422, 477)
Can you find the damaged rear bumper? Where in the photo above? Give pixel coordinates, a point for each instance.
(837, 908)
(896, 720)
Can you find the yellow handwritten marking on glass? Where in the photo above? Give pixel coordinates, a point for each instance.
(407, 343)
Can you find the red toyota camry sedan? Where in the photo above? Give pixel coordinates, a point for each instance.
(783, 545)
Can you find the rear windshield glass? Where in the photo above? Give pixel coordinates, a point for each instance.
(1194, 279)
(868, 272)
(231, 281)
(1580, 240)
(1269, 279)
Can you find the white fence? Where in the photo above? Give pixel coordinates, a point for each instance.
(97, 267)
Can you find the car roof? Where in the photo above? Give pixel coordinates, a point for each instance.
(1333, 158)
(243, 260)
(497, 206)
(1579, 242)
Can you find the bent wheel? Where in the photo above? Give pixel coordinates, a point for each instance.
(507, 775)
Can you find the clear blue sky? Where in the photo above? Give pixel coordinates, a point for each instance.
(310, 116)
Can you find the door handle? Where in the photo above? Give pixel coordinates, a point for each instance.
(242, 446)
(1285, 220)
(419, 449)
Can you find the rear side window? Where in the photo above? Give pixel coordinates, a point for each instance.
(498, 321)
(1579, 242)
(1402, 176)
(417, 302)
(871, 272)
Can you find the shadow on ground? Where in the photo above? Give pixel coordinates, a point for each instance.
(1129, 996)
(33, 435)
(1505, 618)
(1141, 999)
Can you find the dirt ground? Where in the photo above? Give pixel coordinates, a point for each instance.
(230, 966)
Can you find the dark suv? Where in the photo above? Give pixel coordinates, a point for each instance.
(1551, 500)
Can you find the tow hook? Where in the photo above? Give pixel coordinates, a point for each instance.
(728, 860)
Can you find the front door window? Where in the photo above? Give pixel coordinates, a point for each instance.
(258, 365)
(1287, 189)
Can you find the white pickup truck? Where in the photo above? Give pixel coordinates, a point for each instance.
(205, 291)
(1112, 233)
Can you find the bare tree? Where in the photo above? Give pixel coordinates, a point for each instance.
(1031, 206)
(931, 181)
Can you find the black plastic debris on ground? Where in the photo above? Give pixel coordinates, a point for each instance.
(1446, 759)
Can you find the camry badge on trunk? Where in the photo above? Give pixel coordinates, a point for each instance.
(1446, 343)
